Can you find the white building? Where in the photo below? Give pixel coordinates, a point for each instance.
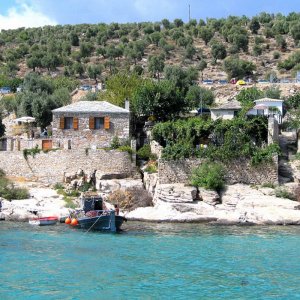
(226, 111)
(268, 107)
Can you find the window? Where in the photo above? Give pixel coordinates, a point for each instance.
(99, 123)
(68, 123)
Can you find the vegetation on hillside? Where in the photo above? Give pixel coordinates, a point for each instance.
(94, 51)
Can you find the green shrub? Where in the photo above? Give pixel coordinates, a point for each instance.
(32, 152)
(10, 192)
(125, 149)
(281, 192)
(270, 185)
(115, 143)
(58, 186)
(145, 153)
(208, 175)
(265, 155)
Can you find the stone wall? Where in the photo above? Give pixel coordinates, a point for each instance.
(238, 171)
(50, 167)
(85, 137)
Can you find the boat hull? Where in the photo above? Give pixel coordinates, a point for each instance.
(43, 221)
(102, 223)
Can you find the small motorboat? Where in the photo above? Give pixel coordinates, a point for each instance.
(43, 221)
(93, 217)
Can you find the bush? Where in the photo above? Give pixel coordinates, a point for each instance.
(281, 192)
(144, 152)
(10, 192)
(125, 148)
(208, 175)
(115, 143)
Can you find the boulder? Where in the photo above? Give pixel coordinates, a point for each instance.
(175, 193)
(208, 196)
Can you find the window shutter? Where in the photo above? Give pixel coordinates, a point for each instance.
(62, 123)
(106, 122)
(75, 123)
(92, 123)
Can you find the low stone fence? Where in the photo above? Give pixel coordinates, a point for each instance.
(50, 167)
(237, 171)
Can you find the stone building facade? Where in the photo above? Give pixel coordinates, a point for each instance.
(89, 124)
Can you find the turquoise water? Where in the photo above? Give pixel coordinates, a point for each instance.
(150, 261)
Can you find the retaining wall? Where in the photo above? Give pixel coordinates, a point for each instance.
(50, 167)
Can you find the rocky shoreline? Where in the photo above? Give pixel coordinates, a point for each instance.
(237, 205)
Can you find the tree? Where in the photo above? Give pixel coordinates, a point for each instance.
(74, 39)
(247, 96)
(237, 68)
(218, 51)
(94, 71)
(190, 52)
(166, 23)
(295, 32)
(78, 68)
(155, 37)
(206, 34)
(181, 78)
(33, 62)
(202, 66)
(159, 99)
(281, 42)
(86, 49)
(273, 92)
(254, 25)
(122, 86)
(178, 23)
(199, 97)
(156, 65)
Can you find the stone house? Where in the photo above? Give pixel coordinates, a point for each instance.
(89, 124)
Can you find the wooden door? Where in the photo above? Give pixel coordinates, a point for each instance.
(46, 144)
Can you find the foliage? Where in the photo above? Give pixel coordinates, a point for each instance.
(115, 143)
(218, 51)
(31, 152)
(160, 99)
(151, 167)
(273, 92)
(237, 68)
(122, 86)
(197, 96)
(248, 95)
(145, 153)
(281, 192)
(293, 102)
(265, 155)
(190, 129)
(9, 191)
(208, 175)
(125, 148)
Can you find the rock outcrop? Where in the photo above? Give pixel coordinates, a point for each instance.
(44, 202)
(241, 204)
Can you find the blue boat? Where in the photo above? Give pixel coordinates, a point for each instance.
(94, 217)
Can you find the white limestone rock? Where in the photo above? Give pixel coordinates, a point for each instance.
(175, 193)
(208, 196)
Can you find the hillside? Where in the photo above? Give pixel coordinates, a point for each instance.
(265, 44)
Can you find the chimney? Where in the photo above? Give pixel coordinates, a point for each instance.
(127, 104)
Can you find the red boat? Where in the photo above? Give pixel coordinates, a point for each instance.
(43, 221)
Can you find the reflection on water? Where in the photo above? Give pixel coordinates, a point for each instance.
(150, 261)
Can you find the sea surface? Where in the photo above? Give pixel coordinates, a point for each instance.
(150, 261)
